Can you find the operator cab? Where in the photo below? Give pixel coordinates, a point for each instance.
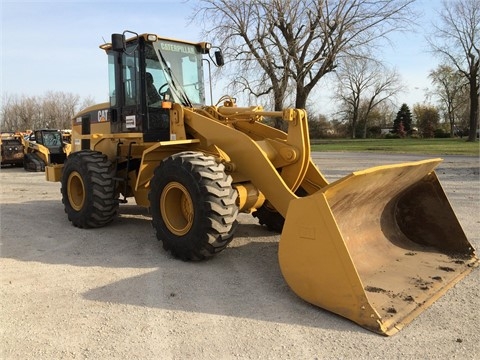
(53, 141)
(147, 75)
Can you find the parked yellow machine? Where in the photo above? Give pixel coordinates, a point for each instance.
(11, 149)
(376, 247)
(44, 147)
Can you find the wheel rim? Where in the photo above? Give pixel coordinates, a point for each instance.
(176, 207)
(76, 191)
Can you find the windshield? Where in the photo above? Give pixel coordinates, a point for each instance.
(50, 138)
(177, 71)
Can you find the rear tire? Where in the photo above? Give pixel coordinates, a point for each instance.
(88, 189)
(193, 206)
(267, 215)
(271, 218)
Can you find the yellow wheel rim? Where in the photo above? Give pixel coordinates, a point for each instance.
(176, 208)
(76, 191)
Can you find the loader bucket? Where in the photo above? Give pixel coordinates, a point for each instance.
(377, 247)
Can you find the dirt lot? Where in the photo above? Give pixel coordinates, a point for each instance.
(113, 293)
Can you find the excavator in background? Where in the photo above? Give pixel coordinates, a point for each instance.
(377, 246)
(45, 146)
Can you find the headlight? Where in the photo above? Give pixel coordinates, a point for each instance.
(152, 37)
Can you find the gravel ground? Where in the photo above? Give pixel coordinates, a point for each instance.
(113, 293)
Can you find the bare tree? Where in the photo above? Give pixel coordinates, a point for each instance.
(24, 112)
(449, 88)
(86, 102)
(6, 116)
(54, 110)
(363, 85)
(283, 48)
(457, 40)
(59, 108)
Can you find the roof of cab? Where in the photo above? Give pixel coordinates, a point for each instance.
(108, 46)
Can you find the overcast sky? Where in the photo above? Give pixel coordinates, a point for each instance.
(53, 46)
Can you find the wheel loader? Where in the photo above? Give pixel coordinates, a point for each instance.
(377, 246)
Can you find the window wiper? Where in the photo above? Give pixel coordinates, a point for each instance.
(178, 90)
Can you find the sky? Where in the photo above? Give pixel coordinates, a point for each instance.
(54, 45)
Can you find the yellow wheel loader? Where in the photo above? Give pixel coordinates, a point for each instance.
(376, 247)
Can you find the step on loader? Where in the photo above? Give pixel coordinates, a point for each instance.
(377, 246)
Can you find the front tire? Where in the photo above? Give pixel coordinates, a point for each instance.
(193, 206)
(88, 189)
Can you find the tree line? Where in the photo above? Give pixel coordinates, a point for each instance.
(422, 121)
(53, 110)
(365, 116)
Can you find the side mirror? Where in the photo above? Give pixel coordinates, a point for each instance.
(219, 58)
(118, 42)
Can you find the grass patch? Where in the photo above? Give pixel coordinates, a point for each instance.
(453, 146)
